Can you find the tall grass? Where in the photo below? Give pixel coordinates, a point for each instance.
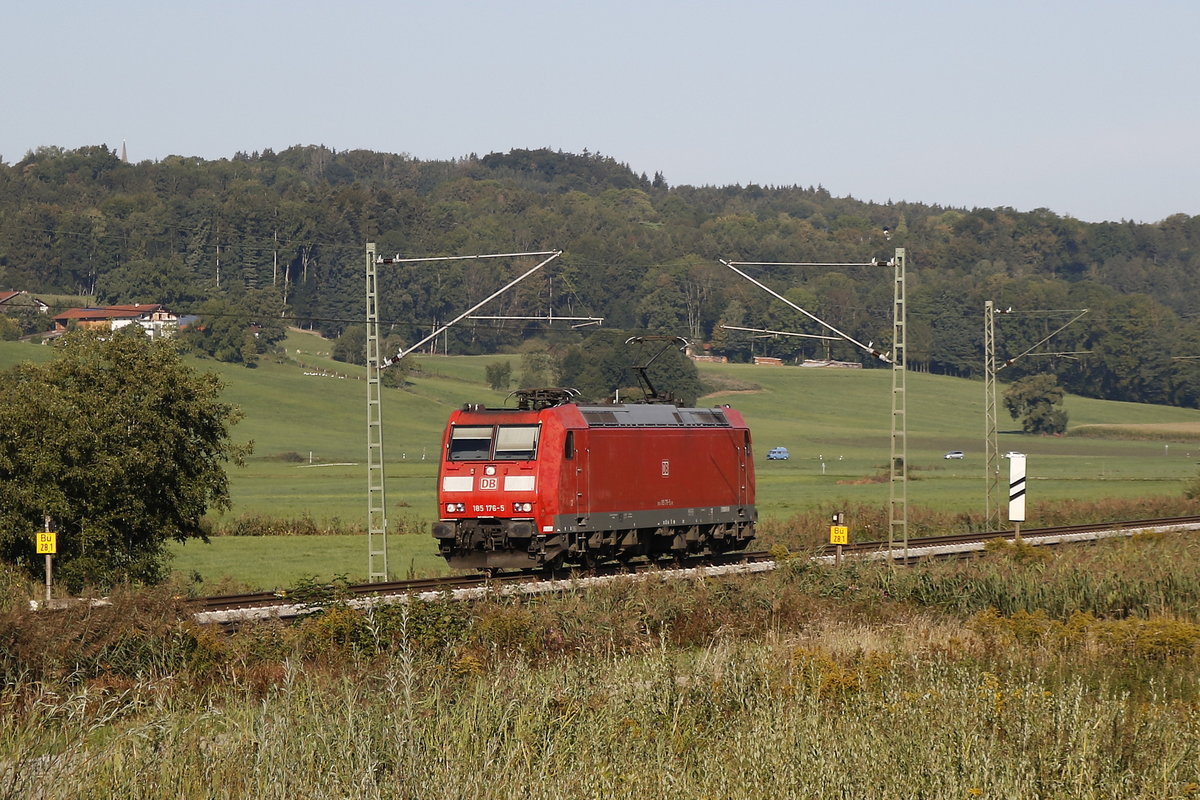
(1151, 575)
(728, 720)
(1024, 673)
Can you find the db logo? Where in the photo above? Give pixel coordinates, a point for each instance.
(666, 467)
(489, 484)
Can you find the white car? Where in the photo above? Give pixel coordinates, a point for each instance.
(958, 454)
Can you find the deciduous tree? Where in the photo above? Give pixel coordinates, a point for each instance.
(1037, 401)
(122, 445)
(499, 375)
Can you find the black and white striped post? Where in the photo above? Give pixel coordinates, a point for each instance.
(1016, 490)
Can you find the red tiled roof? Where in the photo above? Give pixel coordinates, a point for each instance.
(9, 295)
(108, 312)
(135, 310)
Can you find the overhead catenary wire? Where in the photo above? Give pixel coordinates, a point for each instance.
(847, 337)
(551, 255)
(1044, 339)
(499, 322)
(782, 333)
(872, 263)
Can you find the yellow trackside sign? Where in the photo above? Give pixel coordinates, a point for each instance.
(47, 542)
(839, 534)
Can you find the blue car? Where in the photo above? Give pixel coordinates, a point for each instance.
(778, 454)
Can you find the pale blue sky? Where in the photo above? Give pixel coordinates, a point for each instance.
(1090, 109)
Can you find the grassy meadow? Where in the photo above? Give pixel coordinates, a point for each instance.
(306, 416)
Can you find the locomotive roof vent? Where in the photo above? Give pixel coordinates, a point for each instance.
(653, 415)
(548, 397)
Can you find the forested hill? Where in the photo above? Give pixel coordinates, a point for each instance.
(286, 231)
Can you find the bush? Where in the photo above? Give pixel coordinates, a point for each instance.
(10, 329)
(499, 376)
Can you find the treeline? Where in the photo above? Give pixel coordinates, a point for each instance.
(287, 230)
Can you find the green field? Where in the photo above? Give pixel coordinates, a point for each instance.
(277, 562)
(306, 416)
(835, 422)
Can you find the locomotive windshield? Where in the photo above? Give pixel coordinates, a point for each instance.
(488, 443)
(516, 442)
(472, 443)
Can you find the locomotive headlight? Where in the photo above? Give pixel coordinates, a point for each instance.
(460, 507)
(526, 507)
(489, 470)
(449, 508)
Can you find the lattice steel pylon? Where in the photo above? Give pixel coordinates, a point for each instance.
(377, 566)
(898, 493)
(991, 441)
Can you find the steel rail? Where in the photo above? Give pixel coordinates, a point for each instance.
(224, 609)
(1029, 533)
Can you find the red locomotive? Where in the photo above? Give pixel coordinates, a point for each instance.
(553, 482)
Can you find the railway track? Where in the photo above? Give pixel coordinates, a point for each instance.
(230, 610)
(227, 609)
(956, 543)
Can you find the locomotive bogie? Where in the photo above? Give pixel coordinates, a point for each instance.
(570, 484)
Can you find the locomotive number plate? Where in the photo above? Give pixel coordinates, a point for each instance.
(488, 508)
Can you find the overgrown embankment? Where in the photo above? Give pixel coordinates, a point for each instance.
(1020, 673)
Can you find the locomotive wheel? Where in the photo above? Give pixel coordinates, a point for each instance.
(591, 561)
